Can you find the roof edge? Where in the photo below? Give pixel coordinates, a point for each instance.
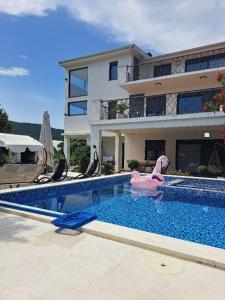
(85, 58)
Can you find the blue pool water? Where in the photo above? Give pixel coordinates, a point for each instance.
(174, 212)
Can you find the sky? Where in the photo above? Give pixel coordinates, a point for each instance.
(36, 34)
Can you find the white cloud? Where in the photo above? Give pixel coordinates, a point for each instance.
(23, 56)
(14, 72)
(164, 25)
(28, 7)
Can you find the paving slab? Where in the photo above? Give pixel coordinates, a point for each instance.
(38, 262)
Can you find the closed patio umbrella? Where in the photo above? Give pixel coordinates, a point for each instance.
(46, 139)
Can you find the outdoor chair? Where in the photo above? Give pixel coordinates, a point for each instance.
(92, 169)
(59, 174)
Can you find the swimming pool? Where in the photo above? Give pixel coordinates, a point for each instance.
(192, 214)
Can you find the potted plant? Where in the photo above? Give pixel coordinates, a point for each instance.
(108, 167)
(133, 164)
(120, 108)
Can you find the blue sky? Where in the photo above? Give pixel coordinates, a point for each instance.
(37, 44)
(36, 34)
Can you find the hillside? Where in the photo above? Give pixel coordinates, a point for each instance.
(34, 130)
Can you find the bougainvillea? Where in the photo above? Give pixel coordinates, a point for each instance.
(220, 98)
(218, 102)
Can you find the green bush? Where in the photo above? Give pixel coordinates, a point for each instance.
(203, 170)
(178, 173)
(108, 167)
(133, 164)
(4, 158)
(83, 163)
(78, 148)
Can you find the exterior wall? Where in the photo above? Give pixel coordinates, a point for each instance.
(99, 88)
(135, 142)
(108, 146)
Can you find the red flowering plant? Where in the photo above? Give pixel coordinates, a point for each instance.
(218, 101)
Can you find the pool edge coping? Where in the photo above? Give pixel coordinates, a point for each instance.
(186, 250)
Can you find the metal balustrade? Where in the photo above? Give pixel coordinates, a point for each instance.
(183, 102)
(176, 65)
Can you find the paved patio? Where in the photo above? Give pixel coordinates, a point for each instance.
(37, 263)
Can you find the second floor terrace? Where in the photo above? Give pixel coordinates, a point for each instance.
(174, 64)
(170, 105)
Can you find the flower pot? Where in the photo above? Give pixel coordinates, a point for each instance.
(121, 115)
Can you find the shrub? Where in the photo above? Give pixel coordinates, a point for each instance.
(203, 170)
(133, 164)
(178, 173)
(108, 167)
(78, 149)
(4, 158)
(83, 163)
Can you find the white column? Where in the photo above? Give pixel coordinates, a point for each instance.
(67, 148)
(117, 152)
(96, 142)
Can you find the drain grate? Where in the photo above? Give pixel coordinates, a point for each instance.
(166, 265)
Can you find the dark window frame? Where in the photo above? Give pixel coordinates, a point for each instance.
(163, 70)
(69, 90)
(154, 141)
(203, 94)
(72, 115)
(113, 64)
(162, 101)
(140, 98)
(202, 142)
(203, 59)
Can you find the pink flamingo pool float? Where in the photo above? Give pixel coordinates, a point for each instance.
(150, 182)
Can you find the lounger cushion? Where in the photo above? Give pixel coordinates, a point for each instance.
(74, 220)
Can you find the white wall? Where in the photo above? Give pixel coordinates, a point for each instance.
(135, 142)
(108, 146)
(99, 88)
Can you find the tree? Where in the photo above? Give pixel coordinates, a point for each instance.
(5, 126)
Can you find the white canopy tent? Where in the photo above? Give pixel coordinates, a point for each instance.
(19, 143)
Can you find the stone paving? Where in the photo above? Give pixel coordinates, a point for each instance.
(39, 263)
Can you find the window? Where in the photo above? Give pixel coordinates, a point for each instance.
(111, 112)
(156, 105)
(78, 82)
(27, 157)
(206, 62)
(136, 106)
(136, 69)
(162, 70)
(192, 153)
(193, 102)
(77, 108)
(113, 70)
(154, 149)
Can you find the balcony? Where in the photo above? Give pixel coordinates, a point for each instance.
(191, 71)
(160, 67)
(164, 105)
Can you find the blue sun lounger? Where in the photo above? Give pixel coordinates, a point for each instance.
(74, 220)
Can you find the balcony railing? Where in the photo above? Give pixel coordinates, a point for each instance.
(158, 105)
(177, 65)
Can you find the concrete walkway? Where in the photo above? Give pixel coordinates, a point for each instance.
(37, 263)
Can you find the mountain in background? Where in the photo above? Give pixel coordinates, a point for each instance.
(34, 130)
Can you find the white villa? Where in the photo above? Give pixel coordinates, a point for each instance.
(164, 98)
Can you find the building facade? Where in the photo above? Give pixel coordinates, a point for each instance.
(133, 105)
